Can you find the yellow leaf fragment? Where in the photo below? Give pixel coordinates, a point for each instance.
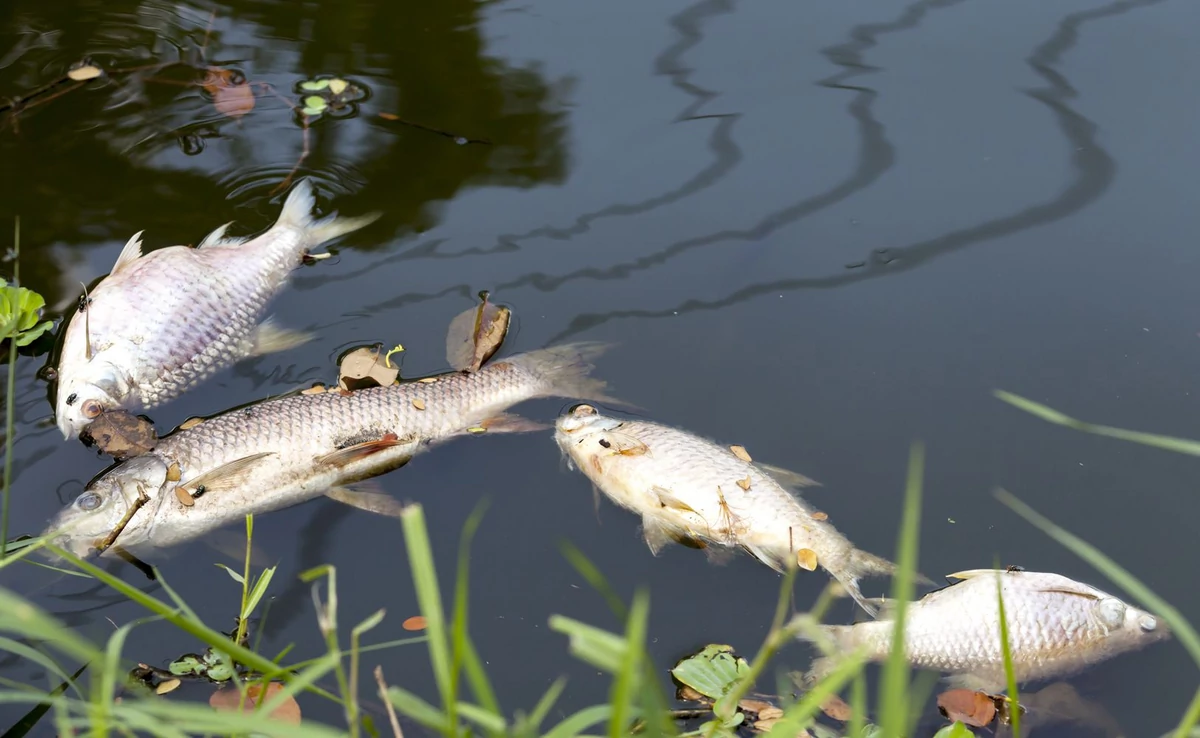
(807, 559)
(167, 686)
(740, 452)
(184, 497)
(190, 423)
(418, 403)
(174, 472)
(744, 483)
(427, 380)
(818, 515)
(317, 389)
(84, 72)
(476, 430)
(338, 86)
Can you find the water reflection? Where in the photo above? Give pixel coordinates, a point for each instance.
(426, 64)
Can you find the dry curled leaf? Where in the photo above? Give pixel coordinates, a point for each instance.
(744, 483)
(366, 366)
(174, 473)
(228, 698)
(740, 452)
(807, 559)
(836, 708)
(967, 706)
(418, 403)
(475, 335)
(416, 622)
(121, 434)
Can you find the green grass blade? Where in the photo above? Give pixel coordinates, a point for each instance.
(800, 714)
(429, 599)
(627, 679)
(1190, 717)
(543, 706)
(574, 724)
(1179, 625)
(27, 620)
(260, 590)
(418, 709)
(30, 719)
(10, 402)
(1168, 443)
(592, 575)
(43, 660)
(604, 650)
(463, 650)
(1006, 649)
(490, 721)
(893, 710)
(300, 681)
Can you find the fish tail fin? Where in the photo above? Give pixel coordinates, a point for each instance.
(297, 214)
(860, 565)
(564, 371)
(834, 641)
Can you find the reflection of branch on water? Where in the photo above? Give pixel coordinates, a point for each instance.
(453, 136)
(1094, 173)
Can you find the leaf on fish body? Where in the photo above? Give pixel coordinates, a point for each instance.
(475, 335)
(185, 498)
(818, 515)
(712, 671)
(362, 450)
(476, 429)
(366, 366)
(807, 559)
(427, 380)
(509, 423)
(967, 706)
(416, 622)
(744, 483)
(224, 477)
(227, 699)
(174, 473)
(83, 71)
(740, 452)
(190, 423)
(316, 389)
(121, 434)
(418, 403)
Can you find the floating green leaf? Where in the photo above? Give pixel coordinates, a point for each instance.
(314, 85)
(20, 311)
(954, 730)
(187, 665)
(712, 671)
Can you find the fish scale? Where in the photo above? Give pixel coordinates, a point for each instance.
(161, 323)
(298, 433)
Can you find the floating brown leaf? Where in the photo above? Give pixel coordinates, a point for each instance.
(366, 366)
(121, 434)
(168, 686)
(416, 622)
(475, 335)
(231, 94)
(756, 706)
(84, 72)
(836, 708)
(740, 452)
(967, 706)
(227, 699)
(744, 483)
(807, 559)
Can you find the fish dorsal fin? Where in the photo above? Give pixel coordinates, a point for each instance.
(786, 477)
(366, 496)
(972, 573)
(225, 477)
(131, 253)
(667, 499)
(217, 238)
(344, 456)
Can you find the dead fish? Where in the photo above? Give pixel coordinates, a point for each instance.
(287, 450)
(701, 494)
(1056, 627)
(161, 323)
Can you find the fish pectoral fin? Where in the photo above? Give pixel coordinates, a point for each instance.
(765, 556)
(509, 423)
(368, 497)
(786, 477)
(658, 534)
(668, 499)
(224, 477)
(270, 338)
(344, 456)
(130, 253)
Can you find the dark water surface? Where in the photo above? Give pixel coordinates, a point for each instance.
(692, 182)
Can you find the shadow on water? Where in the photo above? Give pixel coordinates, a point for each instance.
(177, 159)
(1094, 171)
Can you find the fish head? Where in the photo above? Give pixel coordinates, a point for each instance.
(1126, 626)
(580, 430)
(84, 394)
(104, 503)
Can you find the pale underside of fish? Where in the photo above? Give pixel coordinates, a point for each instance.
(693, 491)
(163, 322)
(1056, 628)
(284, 451)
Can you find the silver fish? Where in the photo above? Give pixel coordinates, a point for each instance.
(1056, 627)
(287, 450)
(161, 323)
(696, 492)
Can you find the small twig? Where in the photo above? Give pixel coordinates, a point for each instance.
(438, 131)
(142, 499)
(391, 711)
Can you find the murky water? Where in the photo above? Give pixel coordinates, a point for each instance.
(821, 230)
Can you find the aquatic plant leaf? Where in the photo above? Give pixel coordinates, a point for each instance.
(187, 665)
(967, 706)
(956, 730)
(20, 311)
(121, 434)
(711, 672)
(259, 590)
(364, 367)
(475, 335)
(236, 577)
(314, 85)
(227, 699)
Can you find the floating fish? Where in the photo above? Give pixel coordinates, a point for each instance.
(287, 450)
(1056, 627)
(163, 322)
(698, 493)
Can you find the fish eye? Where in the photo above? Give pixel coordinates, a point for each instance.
(71, 398)
(89, 501)
(91, 408)
(1147, 623)
(582, 410)
(1112, 612)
